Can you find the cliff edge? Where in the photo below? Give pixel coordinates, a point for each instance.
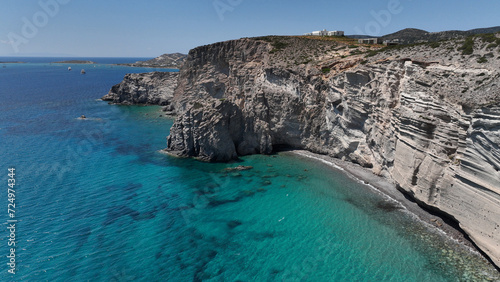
(425, 116)
(154, 88)
(174, 61)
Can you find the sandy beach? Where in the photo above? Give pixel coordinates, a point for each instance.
(387, 188)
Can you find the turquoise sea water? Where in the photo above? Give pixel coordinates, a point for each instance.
(96, 201)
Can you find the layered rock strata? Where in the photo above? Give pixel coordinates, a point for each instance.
(427, 118)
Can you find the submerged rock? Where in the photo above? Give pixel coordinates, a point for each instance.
(239, 168)
(234, 223)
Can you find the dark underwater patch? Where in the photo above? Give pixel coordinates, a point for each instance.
(132, 187)
(233, 224)
(387, 206)
(205, 258)
(131, 197)
(83, 236)
(116, 212)
(215, 203)
(261, 236)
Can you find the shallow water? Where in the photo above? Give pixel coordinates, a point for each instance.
(98, 201)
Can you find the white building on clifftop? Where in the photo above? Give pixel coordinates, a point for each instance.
(325, 32)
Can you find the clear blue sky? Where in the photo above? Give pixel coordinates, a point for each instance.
(148, 28)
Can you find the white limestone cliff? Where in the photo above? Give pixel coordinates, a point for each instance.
(427, 118)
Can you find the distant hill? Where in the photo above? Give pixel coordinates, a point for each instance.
(358, 36)
(413, 35)
(485, 30)
(174, 60)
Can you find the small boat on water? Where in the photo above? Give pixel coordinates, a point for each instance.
(83, 71)
(69, 68)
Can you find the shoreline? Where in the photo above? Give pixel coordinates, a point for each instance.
(444, 227)
(388, 189)
(151, 67)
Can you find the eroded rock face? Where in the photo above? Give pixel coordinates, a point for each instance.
(211, 135)
(155, 88)
(448, 158)
(426, 118)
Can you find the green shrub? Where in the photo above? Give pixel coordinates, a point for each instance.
(488, 37)
(434, 44)
(275, 42)
(467, 47)
(197, 105)
(325, 70)
(492, 45)
(482, 60)
(355, 52)
(372, 53)
(279, 45)
(264, 38)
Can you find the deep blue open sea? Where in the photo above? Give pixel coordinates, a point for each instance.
(97, 201)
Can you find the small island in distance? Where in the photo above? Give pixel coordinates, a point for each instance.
(75, 62)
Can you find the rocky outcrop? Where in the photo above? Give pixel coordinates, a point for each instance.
(155, 88)
(427, 118)
(175, 60)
